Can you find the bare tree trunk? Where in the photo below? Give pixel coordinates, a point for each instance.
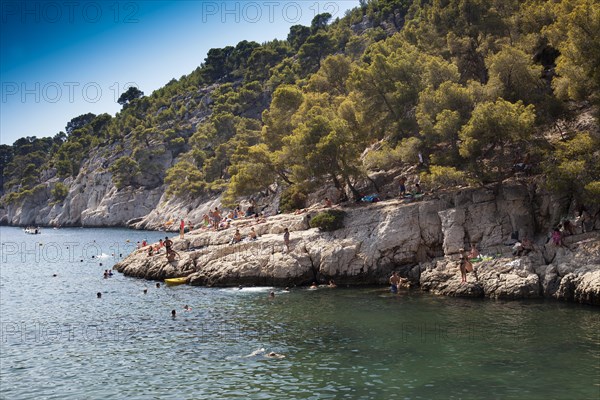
(338, 186)
(355, 193)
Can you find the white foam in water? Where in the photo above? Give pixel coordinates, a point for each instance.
(103, 255)
(256, 352)
(253, 289)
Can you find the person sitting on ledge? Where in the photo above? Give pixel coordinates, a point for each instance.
(237, 237)
(150, 251)
(171, 255)
(259, 218)
(327, 202)
(517, 249)
(252, 234)
(523, 248)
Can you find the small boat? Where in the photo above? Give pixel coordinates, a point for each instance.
(176, 281)
(32, 231)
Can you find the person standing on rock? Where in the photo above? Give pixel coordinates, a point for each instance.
(394, 282)
(465, 266)
(286, 239)
(181, 229)
(402, 186)
(168, 244)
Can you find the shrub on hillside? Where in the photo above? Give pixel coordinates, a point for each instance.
(59, 192)
(329, 220)
(293, 198)
(441, 177)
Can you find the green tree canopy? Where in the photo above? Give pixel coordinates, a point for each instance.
(79, 122)
(129, 96)
(492, 128)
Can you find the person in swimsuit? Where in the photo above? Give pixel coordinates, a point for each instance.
(286, 239)
(394, 282)
(465, 266)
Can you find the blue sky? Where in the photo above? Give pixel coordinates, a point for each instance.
(61, 59)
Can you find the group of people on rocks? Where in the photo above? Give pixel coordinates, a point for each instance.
(237, 236)
(217, 220)
(167, 244)
(568, 228)
(404, 193)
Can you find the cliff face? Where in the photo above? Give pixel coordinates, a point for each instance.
(419, 239)
(92, 200)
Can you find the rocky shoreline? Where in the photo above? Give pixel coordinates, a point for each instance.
(418, 239)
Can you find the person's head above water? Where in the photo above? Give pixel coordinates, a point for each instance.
(173, 313)
(99, 295)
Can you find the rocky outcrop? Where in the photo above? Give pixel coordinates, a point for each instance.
(419, 239)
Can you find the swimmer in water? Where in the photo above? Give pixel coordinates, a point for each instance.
(187, 308)
(158, 285)
(256, 352)
(173, 313)
(145, 291)
(272, 354)
(99, 295)
(272, 295)
(314, 285)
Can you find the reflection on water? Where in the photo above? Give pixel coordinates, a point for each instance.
(339, 343)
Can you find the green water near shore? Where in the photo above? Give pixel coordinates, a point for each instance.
(60, 342)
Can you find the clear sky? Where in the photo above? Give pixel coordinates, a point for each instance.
(61, 59)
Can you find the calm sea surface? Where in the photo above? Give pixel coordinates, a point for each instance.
(59, 341)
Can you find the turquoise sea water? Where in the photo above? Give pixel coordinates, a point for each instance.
(59, 341)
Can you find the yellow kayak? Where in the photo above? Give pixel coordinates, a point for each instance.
(176, 281)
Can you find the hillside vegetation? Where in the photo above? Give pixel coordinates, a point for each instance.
(470, 87)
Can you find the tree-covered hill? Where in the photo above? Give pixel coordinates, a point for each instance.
(465, 89)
